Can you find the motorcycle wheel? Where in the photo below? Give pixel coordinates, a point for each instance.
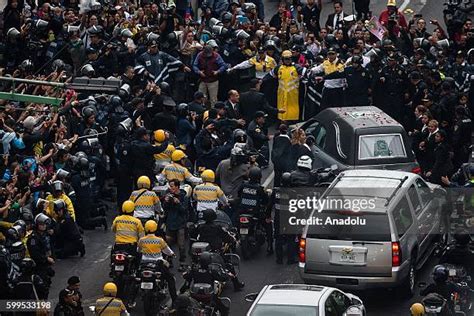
(150, 304)
(245, 248)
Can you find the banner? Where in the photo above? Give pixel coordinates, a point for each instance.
(374, 27)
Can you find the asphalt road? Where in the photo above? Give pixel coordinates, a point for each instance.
(93, 269)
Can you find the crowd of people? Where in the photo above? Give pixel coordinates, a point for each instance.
(200, 86)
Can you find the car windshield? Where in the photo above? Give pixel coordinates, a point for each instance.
(351, 225)
(284, 310)
(381, 146)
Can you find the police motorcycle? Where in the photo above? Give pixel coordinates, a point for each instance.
(122, 272)
(252, 234)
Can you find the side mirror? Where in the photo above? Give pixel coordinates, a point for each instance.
(354, 311)
(251, 297)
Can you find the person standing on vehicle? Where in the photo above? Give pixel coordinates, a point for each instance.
(147, 203)
(208, 195)
(39, 248)
(279, 200)
(109, 304)
(254, 200)
(151, 249)
(128, 229)
(176, 208)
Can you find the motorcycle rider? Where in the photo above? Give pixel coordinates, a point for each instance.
(303, 176)
(110, 305)
(151, 248)
(176, 170)
(147, 203)
(58, 194)
(128, 229)
(39, 248)
(216, 236)
(164, 158)
(254, 200)
(68, 237)
(459, 253)
(208, 195)
(417, 309)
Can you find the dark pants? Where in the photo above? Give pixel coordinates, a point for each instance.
(71, 248)
(332, 98)
(362, 8)
(124, 186)
(291, 247)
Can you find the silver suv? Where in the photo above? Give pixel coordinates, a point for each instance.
(386, 245)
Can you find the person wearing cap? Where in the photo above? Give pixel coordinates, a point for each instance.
(209, 65)
(158, 65)
(198, 105)
(417, 88)
(142, 154)
(258, 133)
(165, 119)
(95, 36)
(288, 75)
(332, 95)
(458, 68)
(391, 13)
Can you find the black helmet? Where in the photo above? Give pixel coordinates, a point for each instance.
(88, 111)
(205, 259)
(85, 146)
(83, 164)
(58, 186)
(209, 215)
(115, 101)
(27, 216)
(357, 59)
(59, 205)
(182, 109)
(462, 237)
(27, 65)
(297, 40)
(27, 265)
(42, 219)
(227, 17)
(286, 179)
(58, 65)
(20, 223)
(165, 87)
(255, 174)
(81, 154)
(239, 136)
(440, 274)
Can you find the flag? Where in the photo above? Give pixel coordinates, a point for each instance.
(374, 27)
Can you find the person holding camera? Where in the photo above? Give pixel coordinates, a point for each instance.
(392, 18)
(176, 207)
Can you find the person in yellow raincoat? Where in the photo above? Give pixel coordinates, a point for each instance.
(288, 75)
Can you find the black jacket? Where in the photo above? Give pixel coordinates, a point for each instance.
(253, 101)
(142, 158)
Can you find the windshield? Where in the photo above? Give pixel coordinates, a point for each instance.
(349, 225)
(381, 146)
(284, 310)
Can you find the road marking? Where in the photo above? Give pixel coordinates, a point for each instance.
(269, 179)
(404, 5)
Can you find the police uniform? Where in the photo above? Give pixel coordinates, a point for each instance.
(110, 306)
(158, 65)
(176, 171)
(39, 248)
(69, 206)
(259, 136)
(124, 175)
(393, 89)
(128, 230)
(358, 84)
(147, 204)
(208, 195)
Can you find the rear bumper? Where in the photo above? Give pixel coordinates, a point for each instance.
(399, 274)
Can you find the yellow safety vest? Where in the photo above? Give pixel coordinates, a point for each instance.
(151, 246)
(165, 156)
(207, 196)
(176, 171)
(263, 65)
(115, 307)
(329, 67)
(67, 200)
(128, 229)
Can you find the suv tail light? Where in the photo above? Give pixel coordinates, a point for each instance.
(416, 170)
(244, 220)
(302, 250)
(396, 254)
(120, 257)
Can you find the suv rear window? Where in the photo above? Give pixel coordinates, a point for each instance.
(381, 146)
(376, 227)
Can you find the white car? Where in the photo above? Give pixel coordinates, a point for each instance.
(304, 300)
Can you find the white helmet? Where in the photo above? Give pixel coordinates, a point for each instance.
(305, 162)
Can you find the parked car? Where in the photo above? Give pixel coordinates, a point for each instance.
(399, 234)
(360, 137)
(303, 300)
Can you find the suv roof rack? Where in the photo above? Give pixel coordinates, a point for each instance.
(405, 178)
(304, 287)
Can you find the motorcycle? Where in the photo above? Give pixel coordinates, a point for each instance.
(122, 272)
(252, 234)
(435, 305)
(153, 288)
(203, 293)
(461, 299)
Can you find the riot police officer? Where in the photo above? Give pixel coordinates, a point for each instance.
(259, 136)
(68, 237)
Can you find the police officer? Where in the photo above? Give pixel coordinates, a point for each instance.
(110, 305)
(128, 229)
(158, 65)
(461, 137)
(58, 194)
(392, 82)
(151, 248)
(303, 176)
(39, 248)
(358, 82)
(142, 154)
(254, 200)
(122, 149)
(208, 195)
(176, 170)
(280, 198)
(68, 238)
(147, 203)
(258, 133)
(29, 285)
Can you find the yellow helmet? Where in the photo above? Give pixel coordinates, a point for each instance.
(417, 309)
(178, 155)
(110, 289)
(391, 3)
(208, 175)
(159, 135)
(128, 207)
(151, 226)
(143, 182)
(286, 54)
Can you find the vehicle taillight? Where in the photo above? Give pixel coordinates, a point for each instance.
(396, 254)
(147, 274)
(119, 257)
(244, 220)
(416, 170)
(302, 251)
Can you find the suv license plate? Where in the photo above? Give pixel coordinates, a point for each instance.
(347, 257)
(146, 285)
(244, 231)
(119, 268)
